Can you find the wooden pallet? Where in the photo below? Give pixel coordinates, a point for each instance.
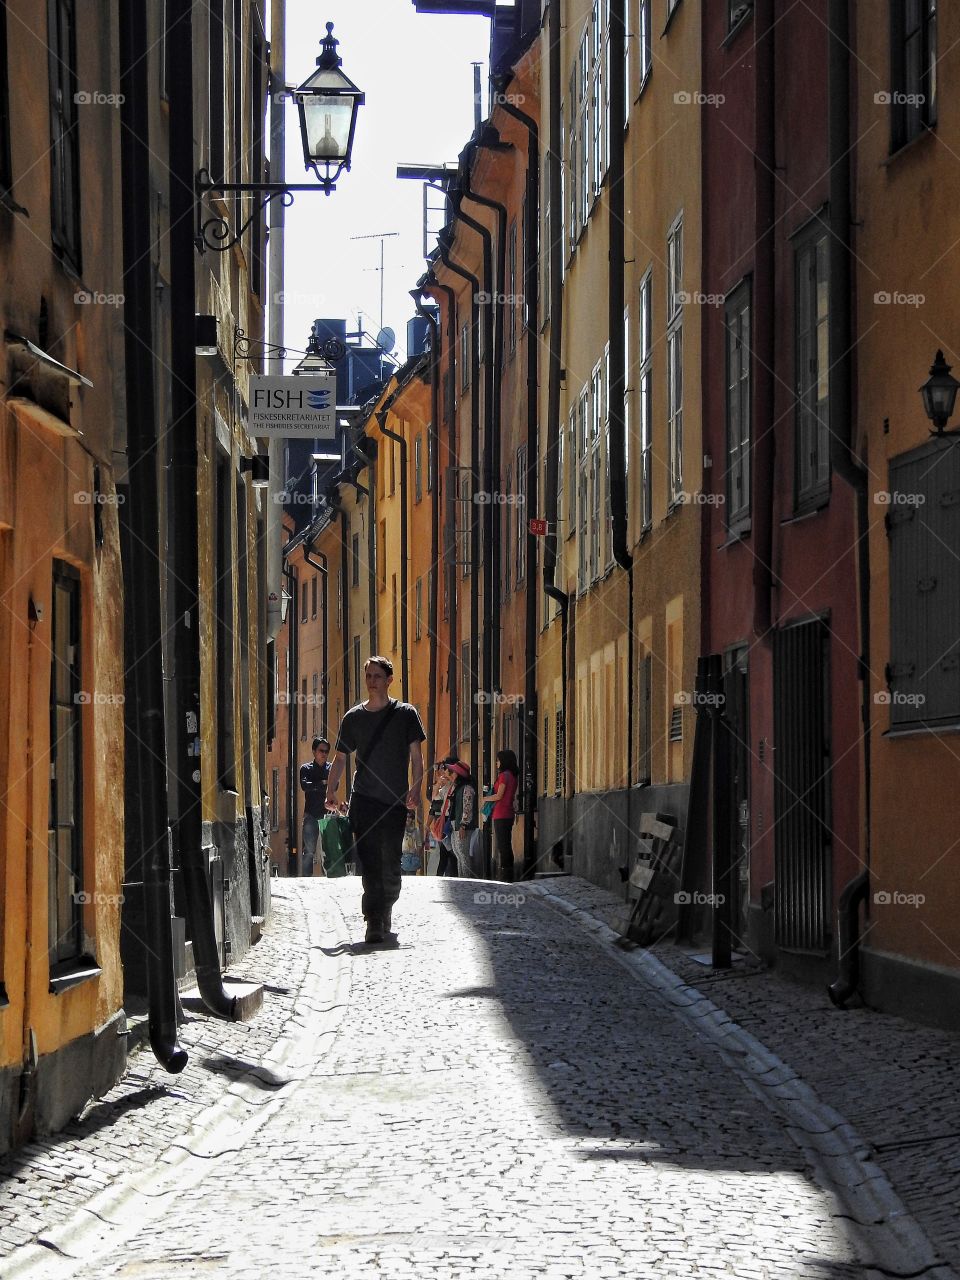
(654, 882)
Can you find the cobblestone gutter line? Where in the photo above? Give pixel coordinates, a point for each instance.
(842, 1160)
(66, 1196)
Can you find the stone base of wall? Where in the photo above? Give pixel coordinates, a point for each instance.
(919, 992)
(66, 1080)
(597, 829)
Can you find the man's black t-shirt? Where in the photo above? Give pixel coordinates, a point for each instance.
(313, 783)
(386, 777)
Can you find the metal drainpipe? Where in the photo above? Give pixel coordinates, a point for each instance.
(404, 554)
(183, 488)
(842, 459)
(293, 685)
(142, 581)
(531, 288)
(764, 447)
(490, 140)
(617, 461)
(444, 242)
(553, 359)
(449, 539)
(487, 554)
(309, 548)
(417, 296)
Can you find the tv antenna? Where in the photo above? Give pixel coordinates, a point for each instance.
(381, 236)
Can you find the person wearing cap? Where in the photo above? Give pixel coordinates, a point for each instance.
(441, 828)
(313, 784)
(463, 811)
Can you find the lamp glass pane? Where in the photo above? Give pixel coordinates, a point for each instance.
(327, 123)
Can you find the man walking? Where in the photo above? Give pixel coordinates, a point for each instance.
(313, 784)
(386, 736)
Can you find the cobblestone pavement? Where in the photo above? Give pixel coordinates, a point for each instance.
(505, 1094)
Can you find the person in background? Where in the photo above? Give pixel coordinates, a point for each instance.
(442, 827)
(502, 794)
(463, 812)
(313, 784)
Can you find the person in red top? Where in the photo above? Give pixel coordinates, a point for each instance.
(502, 815)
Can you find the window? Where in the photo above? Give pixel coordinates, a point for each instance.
(464, 357)
(465, 707)
(598, 90)
(521, 504)
(65, 822)
(812, 314)
(737, 324)
(605, 444)
(597, 413)
(545, 241)
(6, 172)
(64, 132)
(913, 66)
(645, 42)
(394, 610)
(572, 173)
(431, 462)
(418, 467)
(357, 683)
(466, 519)
(560, 758)
(923, 674)
(303, 707)
(217, 102)
(675, 360)
(226, 625)
(644, 696)
(315, 703)
(340, 583)
(645, 398)
(303, 602)
(274, 799)
(511, 302)
(418, 632)
(583, 490)
(313, 596)
(507, 533)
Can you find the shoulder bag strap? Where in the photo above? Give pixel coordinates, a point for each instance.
(377, 735)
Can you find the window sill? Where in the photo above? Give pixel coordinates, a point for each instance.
(922, 730)
(735, 536)
(4, 998)
(743, 21)
(7, 202)
(670, 17)
(911, 145)
(811, 507)
(72, 974)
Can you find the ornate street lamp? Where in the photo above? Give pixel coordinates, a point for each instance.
(328, 102)
(939, 394)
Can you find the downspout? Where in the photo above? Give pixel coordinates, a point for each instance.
(487, 554)
(404, 552)
(293, 687)
(489, 139)
(617, 462)
(444, 240)
(183, 489)
(842, 460)
(309, 548)
(275, 315)
(764, 333)
(554, 361)
(145, 718)
(417, 295)
(449, 536)
(531, 288)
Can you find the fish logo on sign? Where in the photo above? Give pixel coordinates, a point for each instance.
(320, 399)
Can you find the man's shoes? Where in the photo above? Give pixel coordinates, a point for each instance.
(389, 937)
(375, 931)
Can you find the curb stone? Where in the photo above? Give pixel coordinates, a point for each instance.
(893, 1242)
(117, 1213)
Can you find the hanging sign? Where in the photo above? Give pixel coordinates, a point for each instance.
(295, 406)
(538, 527)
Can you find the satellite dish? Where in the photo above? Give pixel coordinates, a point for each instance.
(386, 339)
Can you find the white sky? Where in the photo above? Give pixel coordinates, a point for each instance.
(416, 72)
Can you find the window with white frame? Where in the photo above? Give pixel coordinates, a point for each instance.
(583, 489)
(597, 90)
(675, 359)
(645, 398)
(511, 302)
(507, 534)
(418, 468)
(585, 182)
(605, 423)
(812, 324)
(596, 468)
(464, 356)
(737, 326)
(418, 631)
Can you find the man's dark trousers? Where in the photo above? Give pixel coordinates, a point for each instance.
(378, 838)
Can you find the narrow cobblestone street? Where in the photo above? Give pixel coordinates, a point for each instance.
(505, 1094)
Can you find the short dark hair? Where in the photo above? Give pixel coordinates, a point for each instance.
(320, 742)
(379, 660)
